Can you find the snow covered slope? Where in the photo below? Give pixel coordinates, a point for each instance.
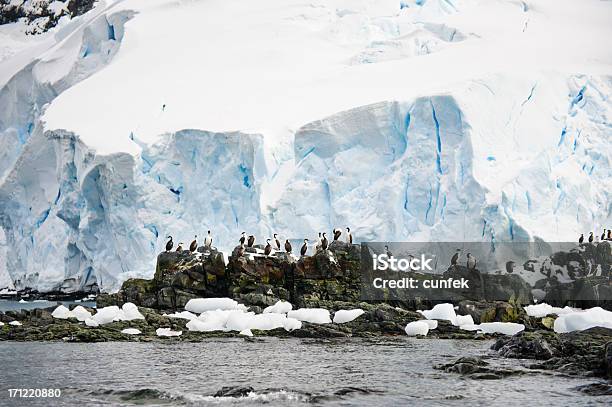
(406, 120)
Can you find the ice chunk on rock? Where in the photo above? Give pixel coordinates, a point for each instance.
(167, 332)
(61, 312)
(441, 311)
(246, 332)
(80, 313)
(130, 312)
(347, 315)
(431, 323)
(106, 315)
(581, 320)
(131, 331)
(543, 309)
(314, 315)
(15, 323)
(281, 307)
(200, 305)
(417, 328)
(183, 315)
(91, 322)
(463, 320)
(505, 328)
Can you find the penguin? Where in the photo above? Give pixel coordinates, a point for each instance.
(169, 244)
(304, 248)
(268, 248)
(455, 258)
(318, 245)
(251, 241)
(243, 238)
(179, 248)
(324, 242)
(349, 237)
(603, 235)
(287, 246)
(194, 245)
(387, 252)
(471, 262)
(208, 240)
(337, 233)
(510, 267)
(591, 238)
(241, 250)
(581, 238)
(277, 242)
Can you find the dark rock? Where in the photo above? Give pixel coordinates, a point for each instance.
(234, 391)
(41, 18)
(596, 389)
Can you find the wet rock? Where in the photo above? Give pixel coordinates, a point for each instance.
(596, 389)
(234, 391)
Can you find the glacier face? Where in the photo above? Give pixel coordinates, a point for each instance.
(495, 157)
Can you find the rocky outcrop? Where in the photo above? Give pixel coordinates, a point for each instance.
(587, 352)
(42, 15)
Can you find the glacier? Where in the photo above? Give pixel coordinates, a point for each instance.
(419, 121)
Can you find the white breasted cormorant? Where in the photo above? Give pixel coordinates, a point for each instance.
(471, 262)
(277, 242)
(455, 258)
(591, 238)
(388, 252)
(194, 245)
(251, 241)
(268, 248)
(349, 237)
(243, 238)
(179, 248)
(170, 244)
(318, 245)
(324, 242)
(304, 248)
(208, 240)
(337, 233)
(581, 238)
(603, 235)
(287, 246)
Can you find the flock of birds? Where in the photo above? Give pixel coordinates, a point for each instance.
(603, 237)
(322, 243)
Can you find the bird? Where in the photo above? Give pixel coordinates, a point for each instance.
(387, 252)
(591, 238)
(455, 258)
(337, 233)
(169, 244)
(609, 235)
(268, 248)
(318, 245)
(471, 262)
(581, 238)
(304, 248)
(510, 267)
(349, 237)
(603, 235)
(277, 242)
(243, 238)
(208, 240)
(179, 248)
(194, 245)
(287, 246)
(251, 241)
(324, 242)
(241, 250)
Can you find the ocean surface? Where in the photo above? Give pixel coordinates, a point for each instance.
(11, 305)
(347, 372)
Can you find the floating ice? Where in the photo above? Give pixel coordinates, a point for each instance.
(314, 315)
(15, 323)
(281, 307)
(581, 320)
(167, 332)
(199, 305)
(345, 315)
(543, 309)
(417, 328)
(131, 331)
(22, 301)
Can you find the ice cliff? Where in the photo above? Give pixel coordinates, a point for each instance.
(404, 120)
